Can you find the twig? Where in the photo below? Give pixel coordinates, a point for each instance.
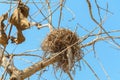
(112, 31)
(61, 6)
(50, 17)
(101, 65)
(6, 66)
(71, 78)
(69, 56)
(82, 27)
(39, 9)
(105, 72)
(91, 69)
(91, 15)
(24, 54)
(98, 10)
(49, 12)
(73, 14)
(26, 2)
(96, 40)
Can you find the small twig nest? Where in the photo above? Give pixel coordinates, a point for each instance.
(59, 40)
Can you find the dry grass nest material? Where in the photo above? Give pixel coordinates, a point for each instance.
(59, 40)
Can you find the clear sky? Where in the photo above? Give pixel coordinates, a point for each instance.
(108, 54)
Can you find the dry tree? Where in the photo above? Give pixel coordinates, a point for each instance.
(61, 47)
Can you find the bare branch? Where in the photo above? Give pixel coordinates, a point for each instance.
(92, 17)
(91, 69)
(38, 66)
(61, 6)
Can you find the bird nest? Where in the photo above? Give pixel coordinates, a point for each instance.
(65, 41)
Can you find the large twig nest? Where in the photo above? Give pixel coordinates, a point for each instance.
(59, 40)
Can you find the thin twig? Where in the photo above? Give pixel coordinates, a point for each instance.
(92, 17)
(73, 14)
(98, 10)
(39, 9)
(98, 39)
(112, 31)
(70, 76)
(50, 17)
(61, 6)
(91, 69)
(49, 12)
(101, 65)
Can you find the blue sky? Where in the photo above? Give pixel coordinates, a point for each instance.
(108, 54)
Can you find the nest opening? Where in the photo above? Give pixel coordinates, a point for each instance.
(59, 40)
